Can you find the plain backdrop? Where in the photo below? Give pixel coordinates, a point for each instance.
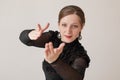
(101, 37)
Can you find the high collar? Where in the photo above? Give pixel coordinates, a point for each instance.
(71, 43)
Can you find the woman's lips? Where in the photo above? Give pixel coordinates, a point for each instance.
(68, 36)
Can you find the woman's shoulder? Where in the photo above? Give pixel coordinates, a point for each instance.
(82, 53)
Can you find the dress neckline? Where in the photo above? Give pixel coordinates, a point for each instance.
(71, 43)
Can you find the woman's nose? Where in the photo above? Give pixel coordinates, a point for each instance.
(68, 30)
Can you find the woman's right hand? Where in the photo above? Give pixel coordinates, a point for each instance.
(35, 34)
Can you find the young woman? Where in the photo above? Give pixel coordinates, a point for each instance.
(65, 58)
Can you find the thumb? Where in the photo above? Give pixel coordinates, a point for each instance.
(46, 26)
(61, 46)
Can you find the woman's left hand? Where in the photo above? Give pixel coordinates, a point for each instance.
(52, 54)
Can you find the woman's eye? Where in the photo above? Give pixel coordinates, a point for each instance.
(75, 26)
(64, 25)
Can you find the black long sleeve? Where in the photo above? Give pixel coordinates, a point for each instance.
(24, 37)
(74, 72)
(40, 42)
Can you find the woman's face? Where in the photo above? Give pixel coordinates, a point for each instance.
(70, 28)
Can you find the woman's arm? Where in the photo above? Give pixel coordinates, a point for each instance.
(35, 37)
(40, 42)
(74, 72)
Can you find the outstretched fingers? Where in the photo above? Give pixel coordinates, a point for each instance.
(51, 53)
(51, 48)
(38, 27)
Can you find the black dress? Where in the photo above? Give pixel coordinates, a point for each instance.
(70, 65)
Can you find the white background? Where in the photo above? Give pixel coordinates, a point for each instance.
(101, 37)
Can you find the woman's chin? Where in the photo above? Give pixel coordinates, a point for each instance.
(67, 40)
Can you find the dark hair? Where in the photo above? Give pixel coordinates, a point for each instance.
(72, 9)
